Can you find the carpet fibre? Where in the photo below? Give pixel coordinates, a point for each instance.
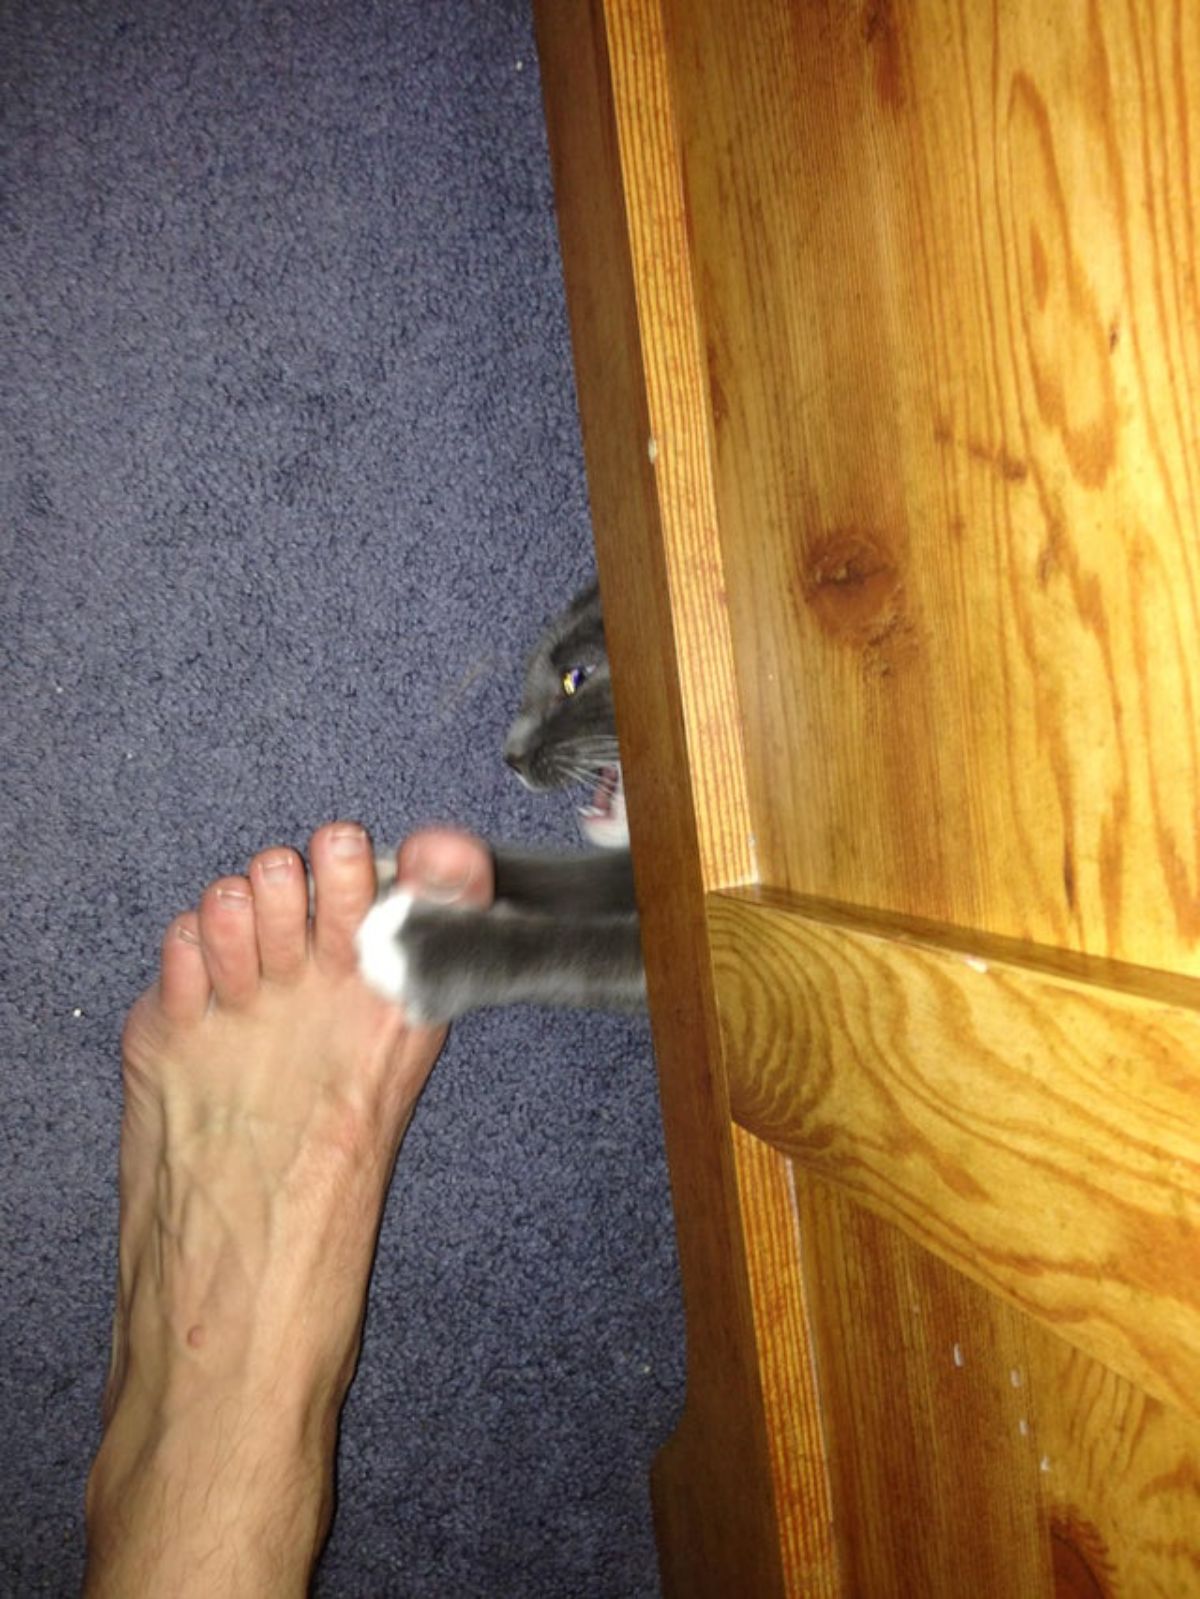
(291, 477)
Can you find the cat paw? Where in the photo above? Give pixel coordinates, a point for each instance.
(381, 956)
(416, 954)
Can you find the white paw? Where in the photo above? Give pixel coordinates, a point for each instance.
(380, 957)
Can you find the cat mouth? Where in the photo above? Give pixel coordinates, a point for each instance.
(603, 821)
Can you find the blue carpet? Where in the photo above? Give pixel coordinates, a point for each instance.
(291, 475)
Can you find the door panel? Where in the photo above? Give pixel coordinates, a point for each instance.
(972, 1451)
(1036, 1130)
(945, 259)
(887, 341)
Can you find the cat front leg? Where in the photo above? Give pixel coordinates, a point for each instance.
(439, 962)
(586, 883)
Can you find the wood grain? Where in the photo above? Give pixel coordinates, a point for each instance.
(1119, 1474)
(679, 411)
(796, 1432)
(1040, 1132)
(946, 267)
(972, 1450)
(680, 439)
(937, 1490)
(885, 323)
(714, 1494)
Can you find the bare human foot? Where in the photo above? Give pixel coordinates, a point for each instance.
(267, 1089)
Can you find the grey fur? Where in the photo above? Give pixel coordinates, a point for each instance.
(563, 929)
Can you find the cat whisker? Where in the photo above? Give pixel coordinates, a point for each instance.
(575, 772)
(598, 741)
(600, 755)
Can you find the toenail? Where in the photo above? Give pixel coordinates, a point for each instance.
(442, 884)
(276, 866)
(437, 882)
(187, 935)
(347, 842)
(233, 896)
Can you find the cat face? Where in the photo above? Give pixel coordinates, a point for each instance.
(565, 731)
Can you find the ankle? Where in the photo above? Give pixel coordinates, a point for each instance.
(235, 1470)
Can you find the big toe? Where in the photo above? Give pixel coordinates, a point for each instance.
(447, 867)
(343, 870)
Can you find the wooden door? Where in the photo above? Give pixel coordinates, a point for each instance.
(887, 336)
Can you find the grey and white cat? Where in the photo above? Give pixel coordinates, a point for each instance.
(563, 929)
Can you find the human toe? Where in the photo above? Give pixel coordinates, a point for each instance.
(184, 987)
(446, 866)
(280, 891)
(229, 940)
(343, 870)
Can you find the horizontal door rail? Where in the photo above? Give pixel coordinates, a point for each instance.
(1032, 1118)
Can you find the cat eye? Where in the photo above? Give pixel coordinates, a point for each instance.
(573, 678)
